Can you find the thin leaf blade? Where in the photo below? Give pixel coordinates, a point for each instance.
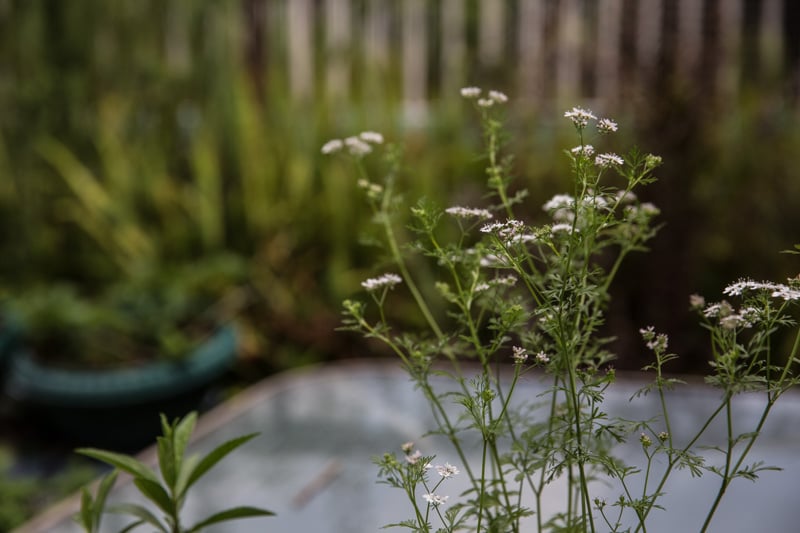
(234, 513)
(142, 513)
(120, 461)
(154, 492)
(216, 455)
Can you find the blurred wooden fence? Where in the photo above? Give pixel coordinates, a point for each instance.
(539, 50)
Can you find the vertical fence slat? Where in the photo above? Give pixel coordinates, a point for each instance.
(376, 34)
(454, 46)
(538, 74)
(689, 46)
(609, 41)
(730, 40)
(337, 43)
(301, 48)
(491, 36)
(568, 65)
(415, 61)
(531, 49)
(176, 38)
(770, 41)
(649, 36)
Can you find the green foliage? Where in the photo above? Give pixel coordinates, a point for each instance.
(161, 313)
(22, 495)
(178, 473)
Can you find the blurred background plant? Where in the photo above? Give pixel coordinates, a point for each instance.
(139, 139)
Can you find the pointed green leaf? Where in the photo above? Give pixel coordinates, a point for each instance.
(123, 462)
(102, 495)
(155, 493)
(234, 513)
(131, 527)
(217, 454)
(166, 460)
(183, 432)
(142, 513)
(180, 440)
(187, 466)
(84, 516)
(166, 427)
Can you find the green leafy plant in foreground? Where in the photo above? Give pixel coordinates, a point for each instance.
(178, 474)
(530, 298)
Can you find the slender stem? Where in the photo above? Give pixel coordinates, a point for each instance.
(727, 475)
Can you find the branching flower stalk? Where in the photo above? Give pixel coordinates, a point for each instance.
(527, 299)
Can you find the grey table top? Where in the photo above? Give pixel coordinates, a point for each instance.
(320, 427)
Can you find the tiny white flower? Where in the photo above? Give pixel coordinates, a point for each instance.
(696, 301)
(608, 160)
(491, 228)
(520, 355)
(482, 286)
(435, 499)
(586, 150)
(357, 147)
(523, 238)
(494, 261)
(407, 447)
(386, 280)
(413, 458)
(579, 116)
(447, 470)
(485, 102)
(470, 92)
(542, 358)
(468, 212)
(332, 146)
(559, 201)
(498, 97)
(566, 228)
(606, 125)
(371, 137)
(625, 197)
(649, 208)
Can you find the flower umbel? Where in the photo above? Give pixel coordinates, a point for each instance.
(435, 499)
(388, 280)
(579, 116)
(447, 470)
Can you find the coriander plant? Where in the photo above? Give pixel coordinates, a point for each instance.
(529, 299)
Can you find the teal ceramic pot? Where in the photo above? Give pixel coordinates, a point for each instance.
(117, 408)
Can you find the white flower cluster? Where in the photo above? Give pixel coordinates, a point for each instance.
(606, 125)
(435, 499)
(645, 209)
(520, 355)
(562, 228)
(494, 97)
(776, 290)
(505, 230)
(505, 281)
(385, 281)
(729, 318)
(447, 470)
(656, 342)
(581, 117)
(586, 150)
(559, 201)
(468, 212)
(357, 145)
(608, 160)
